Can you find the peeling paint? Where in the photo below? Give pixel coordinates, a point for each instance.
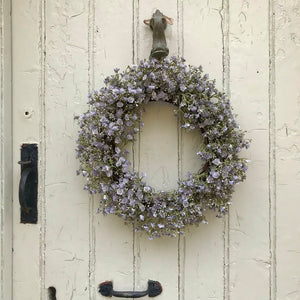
(252, 48)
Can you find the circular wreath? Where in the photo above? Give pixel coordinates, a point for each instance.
(115, 116)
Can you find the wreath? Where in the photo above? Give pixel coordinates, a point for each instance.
(113, 120)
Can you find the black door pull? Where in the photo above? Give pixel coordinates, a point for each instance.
(154, 289)
(25, 176)
(28, 186)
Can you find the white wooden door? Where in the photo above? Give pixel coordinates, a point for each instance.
(62, 50)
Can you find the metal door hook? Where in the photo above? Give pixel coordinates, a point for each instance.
(158, 24)
(154, 289)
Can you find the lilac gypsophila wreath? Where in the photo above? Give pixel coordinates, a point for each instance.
(113, 120)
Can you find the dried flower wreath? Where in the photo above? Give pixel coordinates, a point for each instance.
(115, 116)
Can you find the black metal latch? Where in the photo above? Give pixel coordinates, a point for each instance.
(154, 289)
(28, 187)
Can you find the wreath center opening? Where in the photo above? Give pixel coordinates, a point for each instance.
(163, 151)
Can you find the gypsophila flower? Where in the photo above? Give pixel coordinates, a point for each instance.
(112, 121)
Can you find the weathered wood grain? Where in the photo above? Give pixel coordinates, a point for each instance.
(203, 45)
(249, 244)
(286, 147)
(159, 160)
(113, 48)
(26, 53)
(156, 153)
(67, 214)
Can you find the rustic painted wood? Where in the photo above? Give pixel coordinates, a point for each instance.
(5, 153)
(203, 45)
(252, 49)
(113, 48)
(156, 154)
(159, 160)
(286, 147)
(249, 244)
(26, 89)
(66, 204)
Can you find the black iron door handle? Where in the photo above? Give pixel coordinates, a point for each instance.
(24, 183)
(154, 289)
(28, 186)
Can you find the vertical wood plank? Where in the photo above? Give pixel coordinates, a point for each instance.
(67, 213)
(157, 155)
(249, 215)
(27, 118)
(158, 158)
(26, 54)
(6, 175)
(286, 143)
(113, 48)
(203, 45)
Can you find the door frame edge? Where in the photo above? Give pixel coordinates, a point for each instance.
(6, 173)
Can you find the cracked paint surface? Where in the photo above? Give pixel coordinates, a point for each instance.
(252, 49)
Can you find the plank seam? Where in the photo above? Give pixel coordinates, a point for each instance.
(224, 15)
(181, 239)
(180, 28)
(91, 87)
(135, 31)
(272, 156)
(11, 139)
(2, 174)
(135, 58)
(42, 147)
(91, 45)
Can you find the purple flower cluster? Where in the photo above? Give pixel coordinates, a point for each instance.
(113, 120)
